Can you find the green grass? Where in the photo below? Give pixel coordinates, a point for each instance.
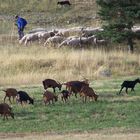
(111, 111)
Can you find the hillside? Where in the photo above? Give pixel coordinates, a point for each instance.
(47, 14)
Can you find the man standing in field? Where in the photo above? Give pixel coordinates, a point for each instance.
(20, 23)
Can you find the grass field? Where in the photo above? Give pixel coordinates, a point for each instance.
(112, 117)
(111, 111)
(30, 65)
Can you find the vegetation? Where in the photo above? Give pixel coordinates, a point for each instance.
(120, 17)
(31, 65)
(47, 14)
(24, 68)
(111, 111)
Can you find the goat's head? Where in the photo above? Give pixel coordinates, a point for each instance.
(59, 86)
(137, 80)
(12, 115)
(31, 101)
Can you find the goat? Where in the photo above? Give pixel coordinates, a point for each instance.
(129, 84)
(49, 96)
(50, 83)
(65, 95)
(75, 86)
(65, 2)
(6, 111)
(22, 96)
(10, 92)
(88, 92)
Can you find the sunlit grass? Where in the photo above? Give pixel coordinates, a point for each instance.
(32, 64)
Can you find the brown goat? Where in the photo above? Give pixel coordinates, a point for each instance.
(50, 83)
(49, 96)
(75, 86)
(6, 111)
(88, 92)
(10, 92)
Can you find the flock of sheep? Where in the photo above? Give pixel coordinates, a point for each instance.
(72, 37)
(72, 87)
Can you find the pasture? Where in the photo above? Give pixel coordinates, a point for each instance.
(24, 68)
(109, 112)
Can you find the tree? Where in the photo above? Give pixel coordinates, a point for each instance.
(119, 16)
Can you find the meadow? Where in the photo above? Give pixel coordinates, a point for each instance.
(24, 68)
(110, 112)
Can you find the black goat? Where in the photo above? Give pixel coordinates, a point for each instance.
(129, 84)
(65, 95)
(22, 96)
(66, 2)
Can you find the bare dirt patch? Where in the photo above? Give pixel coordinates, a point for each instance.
(100, 135)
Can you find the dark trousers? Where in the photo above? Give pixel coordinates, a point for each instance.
(20, 33)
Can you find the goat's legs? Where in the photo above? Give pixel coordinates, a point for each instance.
(10, 100)
(121, 90)
(4, 98)
(132, 89)
(85, 99)
(53, 89)
(76, 95)
(126, 90)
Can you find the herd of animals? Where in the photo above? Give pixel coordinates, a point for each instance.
(70, 37)
(72, 87)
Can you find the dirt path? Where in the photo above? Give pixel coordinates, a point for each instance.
(71, 136)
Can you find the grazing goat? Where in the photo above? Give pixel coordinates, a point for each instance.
(65, 2)
(10, 92)
(22, 96)
(88, 92)
(129, 84)
(6, 111)
(65, 95)
(47, 83)
(49, 96)
(75, 86)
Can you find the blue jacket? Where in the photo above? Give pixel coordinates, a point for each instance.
(21, 23)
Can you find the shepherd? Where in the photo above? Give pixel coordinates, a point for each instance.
(20, 23)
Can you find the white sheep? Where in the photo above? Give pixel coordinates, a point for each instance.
(73, 42)
(43, 36)
(101, 42)
(90, 31)
(54, 40)
(29, 38)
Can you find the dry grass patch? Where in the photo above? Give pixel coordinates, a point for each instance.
(30, 65)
